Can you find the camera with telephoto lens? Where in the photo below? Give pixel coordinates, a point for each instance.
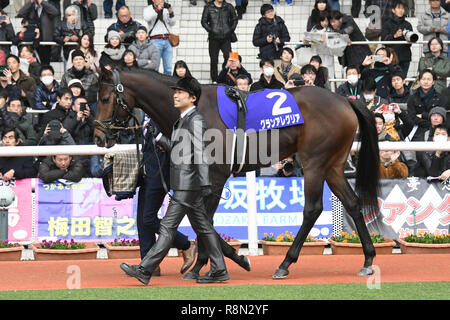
(410, 36)
(288, 166)
(167, 5)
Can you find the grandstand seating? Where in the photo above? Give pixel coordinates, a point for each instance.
(193, 46)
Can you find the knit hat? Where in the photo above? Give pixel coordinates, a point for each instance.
(77, 53)
(75, 83)
(438, 110)
(112, 34)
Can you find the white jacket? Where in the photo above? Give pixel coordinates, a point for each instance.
(150, 16)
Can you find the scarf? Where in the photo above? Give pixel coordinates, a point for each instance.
(78, 73)
(426, 97)
(285, 71)
(389, 128)
(115, 53)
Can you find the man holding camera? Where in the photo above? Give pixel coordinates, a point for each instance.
(62, 112)
(270, 33)
(84, 128)
(398, 29)
(160, 18)
(219, 19)
(287, 168)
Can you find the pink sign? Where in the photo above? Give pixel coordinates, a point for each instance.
(20, 212)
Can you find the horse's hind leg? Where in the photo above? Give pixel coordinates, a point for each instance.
(314, 181)
(341, 188)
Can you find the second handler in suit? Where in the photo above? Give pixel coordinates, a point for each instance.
(190, 181)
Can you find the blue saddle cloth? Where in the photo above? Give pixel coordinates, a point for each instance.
(267, 109)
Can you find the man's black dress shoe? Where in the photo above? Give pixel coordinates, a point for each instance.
(136, 271)
(191, 276)
(211, 277)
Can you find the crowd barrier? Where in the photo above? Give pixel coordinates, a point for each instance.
(83, 212)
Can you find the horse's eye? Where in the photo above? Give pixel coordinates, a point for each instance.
(105, 100)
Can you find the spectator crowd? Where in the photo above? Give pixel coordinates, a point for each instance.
(375, 74)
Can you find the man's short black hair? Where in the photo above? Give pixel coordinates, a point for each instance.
(397, 3)
(14, 57)
(63, 91)
(421, 73)
(242, 77)
(263, 61)
(369, 84)
(441, 126)
(289, 50)
(47, 67)
(308, 67)
(265, 7)
(335, 15)
(352, 67)
(379, 115)
(398, 73)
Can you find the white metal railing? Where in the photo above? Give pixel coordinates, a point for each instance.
(251, 182)
(38, 151)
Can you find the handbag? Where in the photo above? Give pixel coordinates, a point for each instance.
(174, 39)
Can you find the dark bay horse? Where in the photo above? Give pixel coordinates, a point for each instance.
(323, 143)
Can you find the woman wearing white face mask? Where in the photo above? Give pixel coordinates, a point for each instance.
(267, 79)
(45, 92)
(437, 163)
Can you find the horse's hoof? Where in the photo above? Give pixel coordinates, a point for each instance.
(280, 274)
(366, 271)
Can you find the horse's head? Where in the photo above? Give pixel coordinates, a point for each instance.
(114, 109)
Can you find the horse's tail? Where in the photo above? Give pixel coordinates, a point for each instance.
(367, 170)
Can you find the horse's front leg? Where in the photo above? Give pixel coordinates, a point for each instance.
(313, 209)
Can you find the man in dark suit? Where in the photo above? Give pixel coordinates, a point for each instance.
(190, 181)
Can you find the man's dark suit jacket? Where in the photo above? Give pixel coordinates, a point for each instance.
(188, 167)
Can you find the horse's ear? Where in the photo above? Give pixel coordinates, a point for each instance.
(105, 73)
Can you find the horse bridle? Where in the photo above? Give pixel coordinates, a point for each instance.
(111, 127)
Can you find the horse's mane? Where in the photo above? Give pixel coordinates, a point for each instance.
(155, 75)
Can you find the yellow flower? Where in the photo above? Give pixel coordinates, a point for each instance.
(374, 233)
(265, 234)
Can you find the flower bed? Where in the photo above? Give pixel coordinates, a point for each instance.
(10, 251)
(64, 250)
(123, 249)
(425, 243)
(346, 243)
(281, 244)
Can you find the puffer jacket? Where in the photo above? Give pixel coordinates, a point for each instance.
(144, 52)
(43, 98)
(89, 81)
(388, 31)
(219, 22)
(264, 28)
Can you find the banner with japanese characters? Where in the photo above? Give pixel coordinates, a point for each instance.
(20, 212)
(82, 211)
(407, 206)
(280, 203)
